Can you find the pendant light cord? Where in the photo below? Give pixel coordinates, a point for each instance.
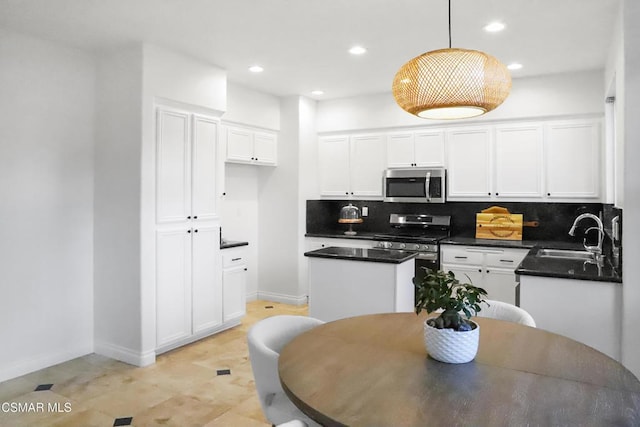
(449, 24)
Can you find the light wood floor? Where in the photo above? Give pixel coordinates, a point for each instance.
(182, 389)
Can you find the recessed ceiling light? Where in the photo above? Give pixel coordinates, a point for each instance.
(494, 27)
(256, 69)
(514, 66)
(357, 50)
(317, 92)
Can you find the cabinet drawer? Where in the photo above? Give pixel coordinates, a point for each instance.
(461, 255)
(510, 258)
(233, 258)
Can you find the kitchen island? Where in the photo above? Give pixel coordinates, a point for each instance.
(346, 282)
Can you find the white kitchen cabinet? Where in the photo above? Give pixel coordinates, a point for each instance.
(518, 161)
(186, 165)
(251, 147)
(188, 265)
(207, 307)
(173, 286)
(351, 166)
(491, 268)
(234, 283)
(573, 159)
(584, 310)
(469, 166)
(188, 286)
(495, 163)
(415, 149)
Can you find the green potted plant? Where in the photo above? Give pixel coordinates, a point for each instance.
(452, 336)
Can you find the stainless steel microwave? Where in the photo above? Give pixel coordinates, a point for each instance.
(415, 185)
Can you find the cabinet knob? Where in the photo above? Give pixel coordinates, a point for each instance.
(195, 217)
(245, 269)
(480, 270)
(224, 194)
(195, 231)
(489, 193)
(548, 194)
(189, 217)
(347, 193)
(189, 231)
(497, 194)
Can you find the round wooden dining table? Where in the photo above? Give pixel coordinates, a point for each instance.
(374, 371)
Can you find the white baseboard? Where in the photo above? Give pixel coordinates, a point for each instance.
(282, 298)
(253, 296)
(43, 361)
(126, 355)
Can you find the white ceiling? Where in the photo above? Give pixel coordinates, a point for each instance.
(303, 44)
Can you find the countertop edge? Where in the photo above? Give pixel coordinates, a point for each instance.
(322, 253)
(232, 244)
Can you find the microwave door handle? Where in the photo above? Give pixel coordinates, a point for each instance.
(426, 186)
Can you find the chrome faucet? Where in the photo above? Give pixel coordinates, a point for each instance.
(596, 250)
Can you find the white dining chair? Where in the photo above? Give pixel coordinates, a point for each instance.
(266, 339)
(505, 311)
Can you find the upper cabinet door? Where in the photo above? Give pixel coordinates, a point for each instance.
(429, 148)
(173, 196)
(367, 165)
(400, 150)
(572, 158)
(333, 153)
(239, 145)
(265, 148)
(518, 161)
(204, 166)
(469, 166)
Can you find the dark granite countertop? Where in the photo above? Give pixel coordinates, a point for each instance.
(518, 244)
(363, 254)
(226, 244)
(533, 265)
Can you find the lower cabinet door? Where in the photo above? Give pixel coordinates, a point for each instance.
(234, 284)
(500, 285)
(466, 273)
(173, 286)
(207, 289)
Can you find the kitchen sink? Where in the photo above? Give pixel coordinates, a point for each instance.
(567, 254)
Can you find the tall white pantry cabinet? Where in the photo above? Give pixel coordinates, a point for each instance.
(188, 263)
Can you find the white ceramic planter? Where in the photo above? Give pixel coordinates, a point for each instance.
(449, 346)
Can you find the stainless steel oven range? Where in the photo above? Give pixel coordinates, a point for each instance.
(417, 232)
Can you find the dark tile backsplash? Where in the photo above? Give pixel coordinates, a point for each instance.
(554, 219)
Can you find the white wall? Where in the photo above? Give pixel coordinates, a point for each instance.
(117, 204)
(535, 97)
(278, 217)
(253, 108)
(308, 178)
(46, 203)
(631, 213)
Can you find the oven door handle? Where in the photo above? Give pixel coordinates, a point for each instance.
(429, 256)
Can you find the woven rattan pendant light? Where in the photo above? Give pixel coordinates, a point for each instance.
(451, 83)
